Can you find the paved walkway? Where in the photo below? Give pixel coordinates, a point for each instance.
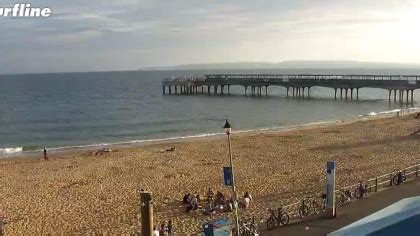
(351, 212)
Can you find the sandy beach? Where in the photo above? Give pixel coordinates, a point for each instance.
(82, 193)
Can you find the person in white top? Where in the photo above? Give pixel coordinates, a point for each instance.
(247, 199)
(155, 231)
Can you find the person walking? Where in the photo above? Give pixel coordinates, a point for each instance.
(45, 154)
(169, 228)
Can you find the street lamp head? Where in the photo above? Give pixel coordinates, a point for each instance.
(227, 127)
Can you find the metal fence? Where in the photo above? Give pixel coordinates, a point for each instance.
(375, 184)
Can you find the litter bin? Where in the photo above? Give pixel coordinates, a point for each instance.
(217, 228)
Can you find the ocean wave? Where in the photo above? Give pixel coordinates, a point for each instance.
(9, 151)
(394, 111)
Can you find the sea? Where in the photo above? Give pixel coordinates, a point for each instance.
(96, 109)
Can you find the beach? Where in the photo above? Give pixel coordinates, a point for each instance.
(79, 192)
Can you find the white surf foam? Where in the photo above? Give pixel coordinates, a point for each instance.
(10, 151)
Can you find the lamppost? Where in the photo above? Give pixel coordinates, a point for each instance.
(228, 130)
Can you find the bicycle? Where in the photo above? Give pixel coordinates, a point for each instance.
(281, 217)
(305, 209)
(399, 177)
(250, 227)
(344, 197)
(247, 227)
(362, 190)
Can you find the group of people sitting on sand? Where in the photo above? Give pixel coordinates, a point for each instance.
(214, 202)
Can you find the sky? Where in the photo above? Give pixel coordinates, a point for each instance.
(83, 35)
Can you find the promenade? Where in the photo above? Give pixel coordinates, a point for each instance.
(351, 212)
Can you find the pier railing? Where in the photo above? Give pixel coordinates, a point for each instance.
(313, 76)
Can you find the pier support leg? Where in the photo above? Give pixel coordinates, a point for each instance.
(229, 89)
(293, 92)
(246, 87)
(389, 96)
(170, 89)
(407, 92)
(202, 89)
(346, 93)
(309, 89)
(341, 94)
(266, 90)
(351, 94)
(303, 92)
(412, 95)
(357, 94)
(215, 89)
(399, 96)
(287, 92)
(208, 89)
(222, 87)
(176, 89)
(335, 94)
(163, 90)
(395, 95)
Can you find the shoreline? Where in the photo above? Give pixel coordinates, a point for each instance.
(203, 136)
(80, 192)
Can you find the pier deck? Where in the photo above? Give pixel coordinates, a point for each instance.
(398, 86)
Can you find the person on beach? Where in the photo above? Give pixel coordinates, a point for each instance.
(169, 228)
(208, 208)
(197, 196)
(162, 229)
(186, 199)
(194, 203)
(220, 198)
(210, 195)
(247, 199)
(45, 154)
(155, 231)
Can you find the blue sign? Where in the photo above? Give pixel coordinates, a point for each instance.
(330, 165)
(227, 175)
(217, 228)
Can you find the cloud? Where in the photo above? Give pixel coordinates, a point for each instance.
(160, 32)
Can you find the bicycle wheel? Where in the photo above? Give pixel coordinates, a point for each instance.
(315, 207)
(242, 231)
(368, 190)
(395, 180)
(284, 218)
(341, 200)
(271, 223)
(357, 193)
(303, 211)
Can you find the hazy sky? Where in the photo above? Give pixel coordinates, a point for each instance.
(84, 35)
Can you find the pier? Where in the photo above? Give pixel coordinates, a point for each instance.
(400, 87)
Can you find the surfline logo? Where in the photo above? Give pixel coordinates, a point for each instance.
(25, 10)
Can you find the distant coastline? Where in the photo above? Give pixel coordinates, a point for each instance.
(293, 64)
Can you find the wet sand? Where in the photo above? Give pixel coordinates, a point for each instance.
(80, 193)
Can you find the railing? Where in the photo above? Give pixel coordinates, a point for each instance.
(312, 77)
(374, 185)
(183, 79)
